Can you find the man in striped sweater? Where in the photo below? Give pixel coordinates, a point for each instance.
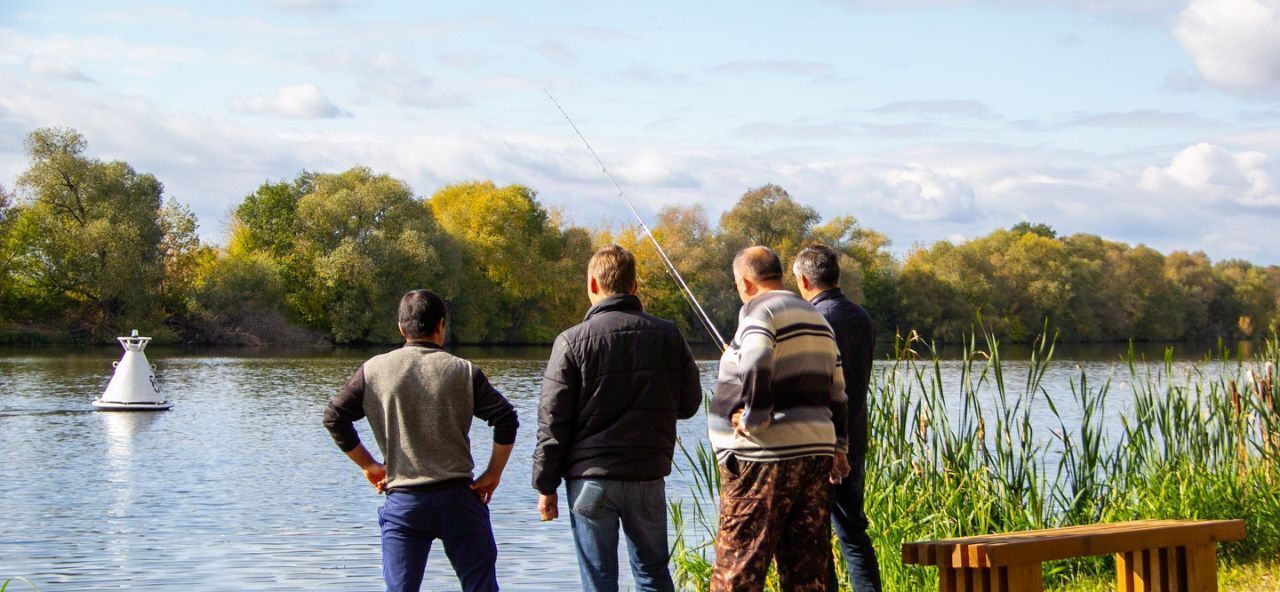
(777, 421)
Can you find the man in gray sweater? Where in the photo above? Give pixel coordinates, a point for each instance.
(419, 401)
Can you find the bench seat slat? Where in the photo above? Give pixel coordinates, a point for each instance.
(1015, 552)
(1016, 548)
(923, 552)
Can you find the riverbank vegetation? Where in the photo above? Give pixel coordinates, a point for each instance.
(90, 248)
(974, 454)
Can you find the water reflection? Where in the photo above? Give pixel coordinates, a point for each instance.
(121, 429)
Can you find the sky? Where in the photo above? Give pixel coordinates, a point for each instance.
(1144, 121)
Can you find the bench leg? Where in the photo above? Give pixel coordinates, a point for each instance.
(1171, 569)
(1017, 578)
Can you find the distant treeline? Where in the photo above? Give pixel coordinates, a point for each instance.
(89, 249)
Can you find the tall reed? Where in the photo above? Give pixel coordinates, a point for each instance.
(979, 445)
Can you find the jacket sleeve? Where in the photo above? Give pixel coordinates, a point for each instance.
(494, 408)
(344, 410)
(690, 383)
(557, 416)
(756, 367)
(840, 406)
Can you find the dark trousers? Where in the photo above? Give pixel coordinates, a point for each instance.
(773, 511)
(851, 529)
(411, 521)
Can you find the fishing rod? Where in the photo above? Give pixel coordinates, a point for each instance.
(671, 268)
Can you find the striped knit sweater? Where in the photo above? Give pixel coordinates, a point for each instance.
(783, 371)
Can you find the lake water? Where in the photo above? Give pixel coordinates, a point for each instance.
(239, 487)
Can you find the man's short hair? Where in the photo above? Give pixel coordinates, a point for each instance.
(758, 264)
(420, 313)
(820, 264)
(614, 269)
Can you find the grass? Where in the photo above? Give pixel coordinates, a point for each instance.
(955, 455)
(5, 584)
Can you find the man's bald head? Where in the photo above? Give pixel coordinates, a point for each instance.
(759, 264)
(756, 270)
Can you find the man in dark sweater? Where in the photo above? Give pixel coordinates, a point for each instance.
(419, 401)
(817, 272)
(613, 389)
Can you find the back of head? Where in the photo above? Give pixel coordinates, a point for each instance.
(614, 269)
(420, 313)
(758, 264)
(820, 265)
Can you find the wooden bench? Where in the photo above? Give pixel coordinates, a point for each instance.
(1151, 555)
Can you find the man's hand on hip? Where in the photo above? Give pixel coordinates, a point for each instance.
(486, 484)
(738, 428)
(549, 507)
(376, 473)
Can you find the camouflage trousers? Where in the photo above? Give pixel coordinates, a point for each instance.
(774, 510)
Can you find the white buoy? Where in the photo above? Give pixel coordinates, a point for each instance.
(133, 387)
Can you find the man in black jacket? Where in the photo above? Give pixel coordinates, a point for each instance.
(613, 389)
(817, 271)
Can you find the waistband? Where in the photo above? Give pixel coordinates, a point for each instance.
(445, 485)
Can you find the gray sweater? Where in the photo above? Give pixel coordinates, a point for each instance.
(419, 401)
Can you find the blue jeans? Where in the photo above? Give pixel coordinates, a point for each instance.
(411, 521)
(597, 507)
(851, 529)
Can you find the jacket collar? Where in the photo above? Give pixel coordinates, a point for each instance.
(827, 295)
(616, 302)
(422, 343)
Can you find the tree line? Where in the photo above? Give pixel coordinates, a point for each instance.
(91, 248)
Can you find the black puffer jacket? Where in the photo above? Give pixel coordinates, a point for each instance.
(613, 389)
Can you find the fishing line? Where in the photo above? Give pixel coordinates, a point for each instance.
(671, 268)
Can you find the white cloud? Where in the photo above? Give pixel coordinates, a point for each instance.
(387, 75)
(55, 68)
(141, 59)
(915, 193)
(1235, 43)
(1142, 118)
(1208, 172)
(303, 101)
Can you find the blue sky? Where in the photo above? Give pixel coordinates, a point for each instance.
(1147, 121)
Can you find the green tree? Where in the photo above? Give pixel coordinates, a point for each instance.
(8, 251)
(515, 262)
(364, 240)
(1036, 228)
(1247, 302)
(182, 251)
(768, 215)
(90, 234)
(1194, 289)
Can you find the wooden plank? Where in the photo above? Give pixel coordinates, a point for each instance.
(973, 547)
(1141, 569)
(1026, 578)
(1013, 551)
(1202, 568)
(1000, 579)
(1124, 572)
(946, 579)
